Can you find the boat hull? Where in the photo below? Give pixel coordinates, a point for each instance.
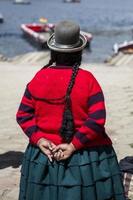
(71, 1)
(126, 47)
(37, 34)
(22, 2)
(1, 18)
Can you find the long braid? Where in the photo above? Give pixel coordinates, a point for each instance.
(67, 130)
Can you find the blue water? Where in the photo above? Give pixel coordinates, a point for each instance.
(109, 21)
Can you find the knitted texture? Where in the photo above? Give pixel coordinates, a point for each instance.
(40, 119)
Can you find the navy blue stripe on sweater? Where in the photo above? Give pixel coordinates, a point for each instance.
(83, 139)
(90, 123)
(99, 114)
(25, 108)
(30, 130)
(27, 94)
(95, 99)
(23, 119)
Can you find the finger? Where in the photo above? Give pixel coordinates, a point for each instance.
(53, 145)
(58, 155)
(39, 141)
(50, 146)
(50, 158)
(46, 151)
(57, 148)
(44, 145)
(63, 158)
(55, 155)
(62, 154)
(43, 149)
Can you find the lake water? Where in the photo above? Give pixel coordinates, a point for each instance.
(109, 21)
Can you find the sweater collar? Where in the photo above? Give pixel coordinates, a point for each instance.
(61, 67)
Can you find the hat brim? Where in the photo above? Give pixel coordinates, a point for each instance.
(67, 48)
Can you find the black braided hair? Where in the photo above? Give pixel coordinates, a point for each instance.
(67, 129)
(72, 59)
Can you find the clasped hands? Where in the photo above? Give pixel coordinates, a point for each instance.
(57, 152)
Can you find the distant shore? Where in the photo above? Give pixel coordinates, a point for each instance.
(117, 85)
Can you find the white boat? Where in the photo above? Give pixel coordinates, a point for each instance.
(1, 18)
(71, 1)
(125, 47)
(88, 36)
(21, 2)
(37, 32)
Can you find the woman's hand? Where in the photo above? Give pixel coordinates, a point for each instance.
(46, 147)
(63, 151)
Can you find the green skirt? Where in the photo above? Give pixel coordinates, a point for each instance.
(89, 174)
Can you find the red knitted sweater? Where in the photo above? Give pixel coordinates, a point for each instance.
(39, 119)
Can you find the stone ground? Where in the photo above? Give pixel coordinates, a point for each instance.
(117, 84)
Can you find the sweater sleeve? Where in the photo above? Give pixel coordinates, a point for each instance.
(26, 118)
(93, 126)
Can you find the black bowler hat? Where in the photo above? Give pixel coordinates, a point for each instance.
(67, 38)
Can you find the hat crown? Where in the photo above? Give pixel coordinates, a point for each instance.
(67, 33)
(67, 38)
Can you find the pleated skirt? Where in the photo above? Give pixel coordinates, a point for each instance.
(89, 174)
